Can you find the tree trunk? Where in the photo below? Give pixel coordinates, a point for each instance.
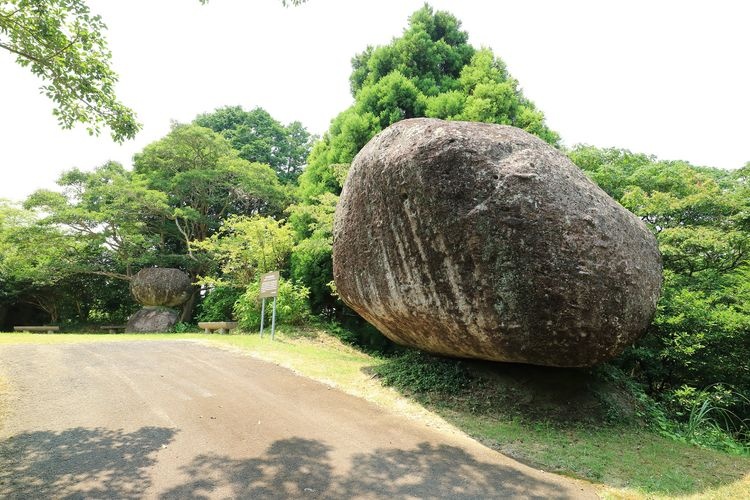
(187, 309)
(54, 313)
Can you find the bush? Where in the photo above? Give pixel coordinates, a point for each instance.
(183, 327)
(218, 305)
(362, 335)
(416, 372)
(292, 306)
(312, 264)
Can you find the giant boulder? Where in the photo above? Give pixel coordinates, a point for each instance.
(160, 286)
(482, 241)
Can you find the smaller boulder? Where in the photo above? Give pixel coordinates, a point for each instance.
(152, 320)
(160, 286)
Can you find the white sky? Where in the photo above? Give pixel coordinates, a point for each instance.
(669, 78)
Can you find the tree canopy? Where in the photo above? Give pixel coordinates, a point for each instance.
(259, 138)
(431, 70)
(109, 207)
(206, 181)
(111, 222)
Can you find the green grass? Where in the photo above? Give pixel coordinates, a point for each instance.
(627, 461)
(581, 423)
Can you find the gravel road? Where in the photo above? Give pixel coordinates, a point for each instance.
(178, 419)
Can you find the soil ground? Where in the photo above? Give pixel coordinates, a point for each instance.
(177, 419)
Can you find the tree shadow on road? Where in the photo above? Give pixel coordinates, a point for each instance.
(294, 468)
(80, 463)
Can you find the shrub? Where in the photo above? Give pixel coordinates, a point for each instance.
(360, 333)
(419, 373)
(292, 306)
(218, 305)
(312, 264)
(182, 327)
(710, 417)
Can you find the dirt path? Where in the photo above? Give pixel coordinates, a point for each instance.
(181, 420)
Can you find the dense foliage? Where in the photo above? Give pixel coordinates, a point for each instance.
(431, 70)
(292, 306)
(259, 138)
(187, 195)
(41, 278)
(700, 216)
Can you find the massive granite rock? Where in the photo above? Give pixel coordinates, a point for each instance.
(482, 241)
(152, 320)
(160, 286)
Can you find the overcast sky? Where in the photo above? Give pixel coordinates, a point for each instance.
(669, 78)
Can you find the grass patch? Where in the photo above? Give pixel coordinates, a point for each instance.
(563, 421)
(308, 351)
(631, 462)
(586, 424)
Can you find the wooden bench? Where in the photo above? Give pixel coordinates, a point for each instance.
(222, 326)
(112, 328)
(29, 329)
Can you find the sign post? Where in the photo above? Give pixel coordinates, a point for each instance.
(262, 315)
(269, 287)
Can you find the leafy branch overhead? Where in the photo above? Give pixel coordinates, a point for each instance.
(62, 43)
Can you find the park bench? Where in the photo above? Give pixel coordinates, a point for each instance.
(222, 326)
(29, 329)
(112, 328)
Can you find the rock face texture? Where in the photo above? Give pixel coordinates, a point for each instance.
(482, 241)
(158, 286)
(152, 319)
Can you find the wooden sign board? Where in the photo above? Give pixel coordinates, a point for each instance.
(269, 285)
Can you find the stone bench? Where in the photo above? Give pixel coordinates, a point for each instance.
(222, 326)
(112, 328)
(29, 329)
